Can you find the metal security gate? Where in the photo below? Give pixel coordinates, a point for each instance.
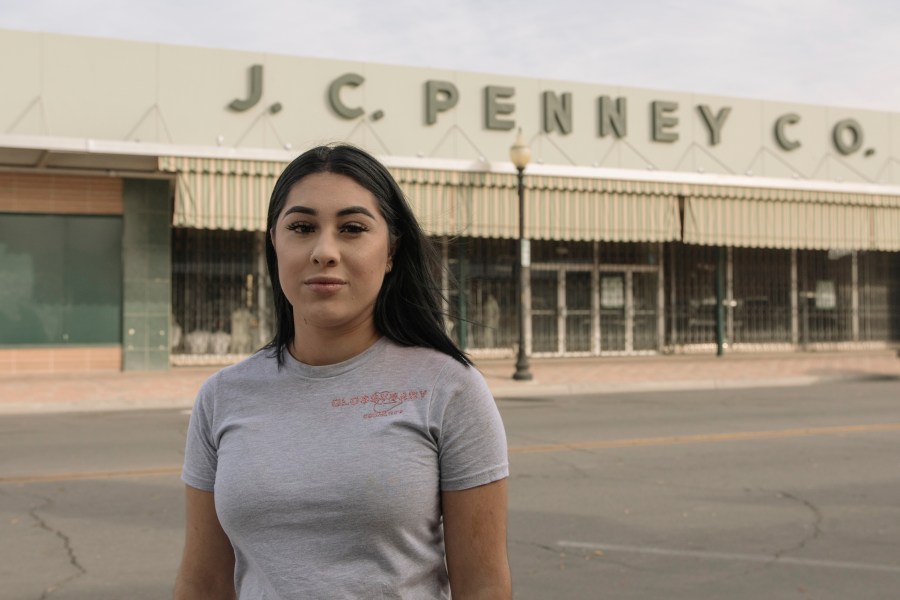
(781, 299)
(826, 300)
(629, 310)
(578, 315)
(586, 311)
(562, 320)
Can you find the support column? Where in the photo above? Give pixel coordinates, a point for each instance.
(595, 302)
(729, 295)
(629, 311)
(147, 268)
(265, 329)
(720, 301)
(795, 295)
(561, 312)
(661, 299)
(673, 298)
(463, 300)
(854, 294)
(445, 278)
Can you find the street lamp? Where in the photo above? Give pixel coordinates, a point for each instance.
(520, 154)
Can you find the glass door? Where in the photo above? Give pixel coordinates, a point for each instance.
(644, 321)
(544, 310)
(629, 310)
(563, 310)
(613, 317)
(578, 311)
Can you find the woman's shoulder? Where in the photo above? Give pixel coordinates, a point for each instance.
(237, 381)
(418, 354)
(428, 360)
(261, 364)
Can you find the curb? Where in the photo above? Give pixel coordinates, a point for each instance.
(502, 392)
(37, 408)
(532, 390)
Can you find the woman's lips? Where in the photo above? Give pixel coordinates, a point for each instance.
(325, 285)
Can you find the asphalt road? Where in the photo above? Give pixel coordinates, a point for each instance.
(737, 494)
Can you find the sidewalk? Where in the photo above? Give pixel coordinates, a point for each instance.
(552, 377)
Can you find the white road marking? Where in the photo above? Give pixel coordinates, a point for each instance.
(757, 558)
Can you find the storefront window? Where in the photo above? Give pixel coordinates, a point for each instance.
(220, 294)
(625, 253)
(691, 294)
(60, 280)
(761, 295)
(485, 317)
(826, 292)
(559, 251)
(877, 321)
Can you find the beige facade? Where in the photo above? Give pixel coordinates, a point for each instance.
(629, 190)
(143, 95)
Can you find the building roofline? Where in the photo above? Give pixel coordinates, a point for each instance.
(149, 149)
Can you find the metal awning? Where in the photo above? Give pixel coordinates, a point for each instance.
(234, 194)
(791, 218)
(485, 204)
(212, 193)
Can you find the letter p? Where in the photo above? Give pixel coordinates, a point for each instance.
(440, 96)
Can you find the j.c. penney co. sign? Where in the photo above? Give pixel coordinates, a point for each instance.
(498, 106)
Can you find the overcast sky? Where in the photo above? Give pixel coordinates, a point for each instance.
(826, 52)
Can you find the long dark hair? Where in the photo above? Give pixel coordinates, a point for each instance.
(408, 306)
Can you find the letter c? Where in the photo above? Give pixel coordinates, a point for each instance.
(780, 137)
(334, 95)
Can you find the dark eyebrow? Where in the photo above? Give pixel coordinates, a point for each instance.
(350, 210)
(300, 209)
(355, 210)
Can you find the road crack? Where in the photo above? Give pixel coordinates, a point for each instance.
(778, 554)
(816, 525)
(582, 474)
(67, 546)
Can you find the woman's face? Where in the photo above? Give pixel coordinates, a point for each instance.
(333, 251)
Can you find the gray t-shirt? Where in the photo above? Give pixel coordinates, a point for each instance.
(327, 479)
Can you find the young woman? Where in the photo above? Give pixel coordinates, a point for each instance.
(358, 455)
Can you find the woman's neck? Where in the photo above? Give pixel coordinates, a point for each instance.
(316, 347)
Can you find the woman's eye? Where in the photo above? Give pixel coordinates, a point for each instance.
(353, 228)
(301, 227)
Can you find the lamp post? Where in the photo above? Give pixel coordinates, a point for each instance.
(520, 154)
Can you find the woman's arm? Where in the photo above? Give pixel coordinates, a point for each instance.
(207, 566)
(475, 542)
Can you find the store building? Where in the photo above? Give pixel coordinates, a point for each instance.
(134, 180)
